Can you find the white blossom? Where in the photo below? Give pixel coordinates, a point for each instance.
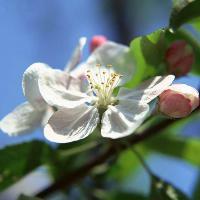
(79, 113)
(36, 111)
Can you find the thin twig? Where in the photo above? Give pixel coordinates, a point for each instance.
(144, 164)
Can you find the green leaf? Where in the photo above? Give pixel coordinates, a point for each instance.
(179, 147)
(118, 195)
(161, 190)
(125, 164)
(183, 12)
(148, 52)
(25, 197)
(196, 24)
(18, 160)
(195, 44)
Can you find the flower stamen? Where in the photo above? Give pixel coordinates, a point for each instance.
(103, 80)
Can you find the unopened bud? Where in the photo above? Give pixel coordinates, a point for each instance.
(178, 100)
(180, 58)
(97, 41)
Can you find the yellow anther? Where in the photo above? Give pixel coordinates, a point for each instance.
(102, 82)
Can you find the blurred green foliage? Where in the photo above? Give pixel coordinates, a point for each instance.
(25, 197)
(18, 160)
(183, 12)
(161, 190)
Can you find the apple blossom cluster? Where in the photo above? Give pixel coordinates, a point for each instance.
(72, 103)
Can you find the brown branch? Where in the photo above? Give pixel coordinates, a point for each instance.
(74, 176)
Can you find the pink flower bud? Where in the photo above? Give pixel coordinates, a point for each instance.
(180, 57)
(178, 100)
(97, 41)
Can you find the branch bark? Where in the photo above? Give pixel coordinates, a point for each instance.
(76, 175)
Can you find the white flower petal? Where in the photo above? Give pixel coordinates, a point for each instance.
(79, 71)
(123, 119)
(47, 115)
(115, 54)
(68, 125)
(148, 90)
(76, 56)
(22, 119)
(61, 90)
(30, 84)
